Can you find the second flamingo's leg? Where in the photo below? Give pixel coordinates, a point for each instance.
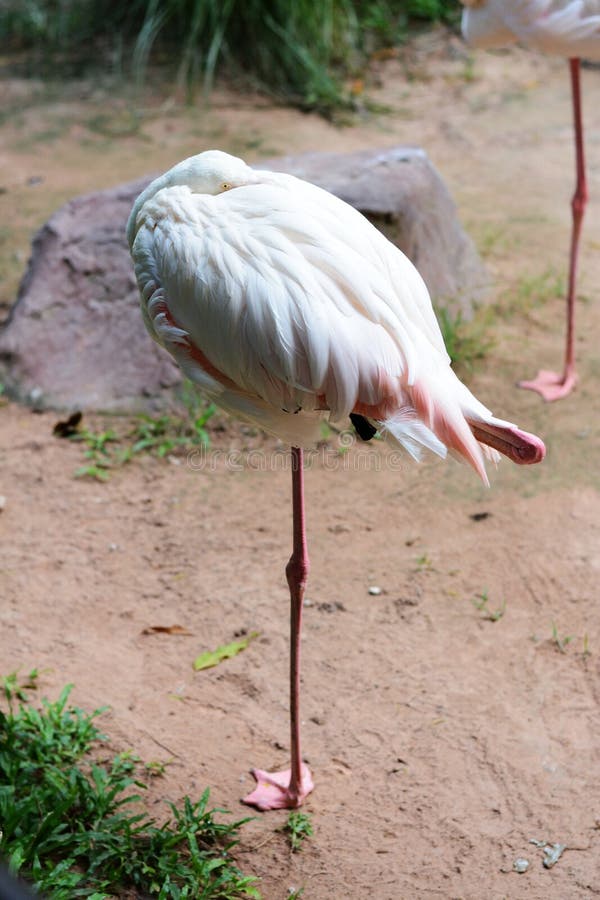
(287, 789)
(549, 384)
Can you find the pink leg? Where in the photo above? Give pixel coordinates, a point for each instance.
(287, 789)
(549, 384)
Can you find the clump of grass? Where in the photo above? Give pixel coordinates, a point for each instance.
(424, 561)
(494, 239)
(15, 687)
(300, 51)
(481, 602)
(298, 827)
(561, 643)
(531, 291)
(159, 435)
(163, 434)
(466, 341)
(586, 646)
(101, 457)
(75, 827)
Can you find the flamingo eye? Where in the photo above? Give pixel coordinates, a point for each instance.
(225, 186)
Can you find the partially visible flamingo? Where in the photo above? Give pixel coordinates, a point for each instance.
(569, 28)
(287, 307)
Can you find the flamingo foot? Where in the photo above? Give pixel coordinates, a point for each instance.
(550, 385)
(273, 789)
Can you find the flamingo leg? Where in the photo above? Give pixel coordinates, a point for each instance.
(287, 789)
(550, 385)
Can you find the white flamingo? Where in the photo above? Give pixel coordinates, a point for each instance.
(287, 306)
(569, 28)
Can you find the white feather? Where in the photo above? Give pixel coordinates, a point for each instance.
(412, 434)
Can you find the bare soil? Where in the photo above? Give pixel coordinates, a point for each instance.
(443, 737)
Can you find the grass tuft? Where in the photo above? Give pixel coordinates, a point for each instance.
(466, 341)
(75, 827)
(298, 827)
(530, 292)
(158, 435)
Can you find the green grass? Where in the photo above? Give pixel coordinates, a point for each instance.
(75, 826)
(300, 51)
(466, 341)
(160, 436)
(531, 291)
(481, 601)
(298, 827)
(561, 643)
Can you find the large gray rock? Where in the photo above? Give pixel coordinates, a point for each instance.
(75, 337)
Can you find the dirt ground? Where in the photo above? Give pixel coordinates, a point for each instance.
(442, 739)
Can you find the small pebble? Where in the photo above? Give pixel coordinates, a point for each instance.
(520, 865)
(2, 502)
(375, 591)
(552, 854)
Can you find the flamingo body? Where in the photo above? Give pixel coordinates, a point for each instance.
(569, 28)
(288, 307)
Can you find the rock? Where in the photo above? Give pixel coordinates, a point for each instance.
(75, 337)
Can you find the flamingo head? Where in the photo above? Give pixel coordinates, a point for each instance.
(212, 172)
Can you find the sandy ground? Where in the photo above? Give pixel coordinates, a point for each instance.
(442, 739)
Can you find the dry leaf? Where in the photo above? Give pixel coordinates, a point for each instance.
(166, 629)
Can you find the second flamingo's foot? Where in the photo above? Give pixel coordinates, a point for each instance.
(273, 789)
(550, 385)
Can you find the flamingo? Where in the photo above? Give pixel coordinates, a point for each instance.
(569, 28)
(287, 307)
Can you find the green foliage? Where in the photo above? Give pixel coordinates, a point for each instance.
(424, 561)
(73, 826)
(300, 51)
(97, 452)
(481, 601)
(531, 291)
(163, 434)
(298, 827)
(466, 341)
(14, 688)
(561, 643)
(158, 435)
(213, 657)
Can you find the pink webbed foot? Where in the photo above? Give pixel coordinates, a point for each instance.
(273, 789)
(550, 385)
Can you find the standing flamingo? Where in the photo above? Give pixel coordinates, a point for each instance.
(569, 28)
(287, 307)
